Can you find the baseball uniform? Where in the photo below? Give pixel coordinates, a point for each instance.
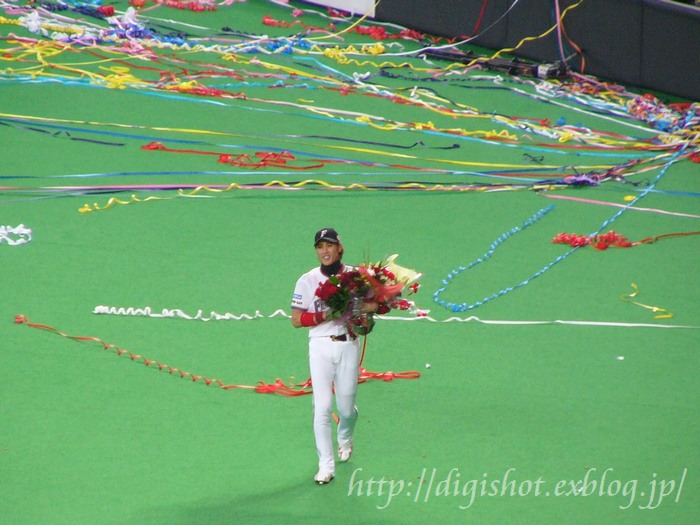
(334, 360)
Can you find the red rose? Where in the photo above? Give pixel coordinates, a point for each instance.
(346, 278)
(383, 308)
(326, 290)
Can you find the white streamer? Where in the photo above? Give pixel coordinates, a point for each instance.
(24, 233)
(168, 313)
(557, 321)
(213, 316)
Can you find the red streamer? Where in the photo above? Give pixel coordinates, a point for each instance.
(610, 239)
(267, 159)
(278, 387)
(275, 160)
(375, 32)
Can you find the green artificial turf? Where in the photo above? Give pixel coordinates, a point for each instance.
(558, 397)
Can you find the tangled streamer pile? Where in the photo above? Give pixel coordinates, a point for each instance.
(133, 50)
(329, 74)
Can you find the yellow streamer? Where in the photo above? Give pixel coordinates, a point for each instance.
(662, 312)
(114, 201)
(9, 21)
(278, 184)
(528, 39)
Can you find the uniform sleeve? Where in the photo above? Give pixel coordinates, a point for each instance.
(303, 296)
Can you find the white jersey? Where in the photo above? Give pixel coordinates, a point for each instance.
(305, 299)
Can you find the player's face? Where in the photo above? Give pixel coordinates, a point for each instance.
(328, 252)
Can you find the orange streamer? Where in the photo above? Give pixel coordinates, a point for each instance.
(278, 387)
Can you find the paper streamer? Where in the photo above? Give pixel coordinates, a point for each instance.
(176, 313)
(494, 246)
(662, 312)
(14, 236)
(277, 387)
(604, 241)
(616, 205)
(558, 321)
(309, 184)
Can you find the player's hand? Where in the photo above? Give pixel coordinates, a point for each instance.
(330, 315)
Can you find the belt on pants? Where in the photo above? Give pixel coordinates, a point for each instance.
(343, 337)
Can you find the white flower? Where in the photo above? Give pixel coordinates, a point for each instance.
(403, 275)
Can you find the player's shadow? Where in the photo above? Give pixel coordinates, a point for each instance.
(301, 501)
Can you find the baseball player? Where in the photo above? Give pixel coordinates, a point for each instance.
(334, 356)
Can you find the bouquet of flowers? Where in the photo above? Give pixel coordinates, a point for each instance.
(383, 283)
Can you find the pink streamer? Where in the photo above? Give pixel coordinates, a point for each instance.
(603, 203)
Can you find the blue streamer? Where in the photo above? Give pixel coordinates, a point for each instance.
(537, 216)
(446, 282)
